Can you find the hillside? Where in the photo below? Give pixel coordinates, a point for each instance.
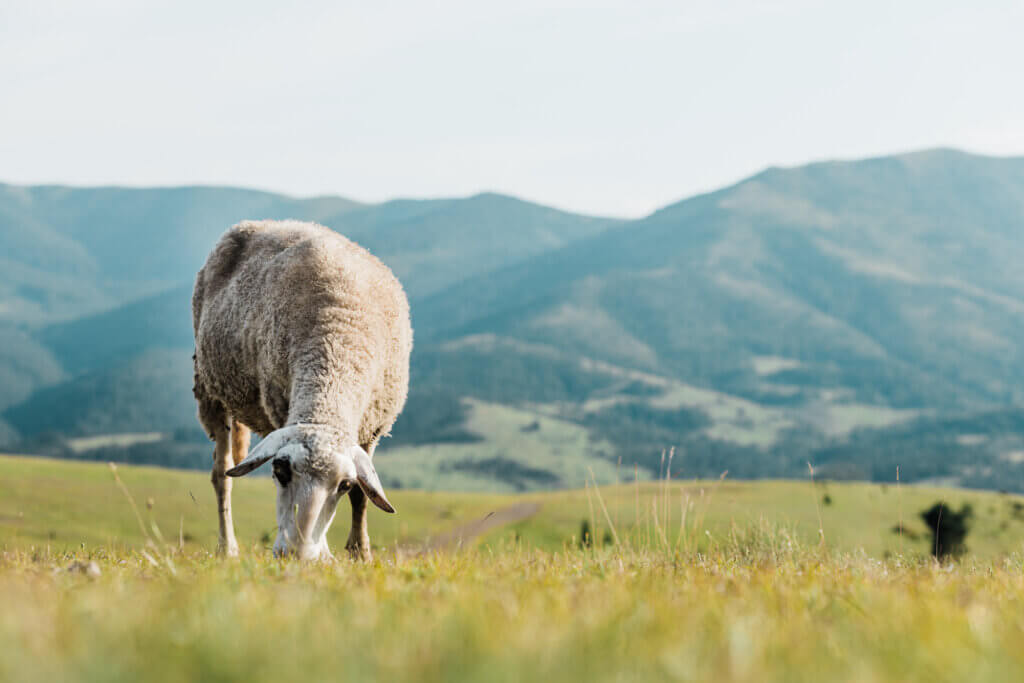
(822, 299)
(69, 252)
(861, 315)
(94, 278)
(891, 280)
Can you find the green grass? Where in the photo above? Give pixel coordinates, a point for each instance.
(859, 517)
(742, 590)
(62, 505)
(772, 613)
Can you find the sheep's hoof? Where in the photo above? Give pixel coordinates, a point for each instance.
(227, 549)
(360, 553)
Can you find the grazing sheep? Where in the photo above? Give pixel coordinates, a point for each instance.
(303, 337)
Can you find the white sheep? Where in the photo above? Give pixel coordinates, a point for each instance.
(303, 337)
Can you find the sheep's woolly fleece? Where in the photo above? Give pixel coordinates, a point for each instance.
(296, 324)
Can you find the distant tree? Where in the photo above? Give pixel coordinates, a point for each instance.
(949, 528)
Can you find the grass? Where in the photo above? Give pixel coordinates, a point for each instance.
(62, 505)
(858, 517)
(775, 613)
(741, 590)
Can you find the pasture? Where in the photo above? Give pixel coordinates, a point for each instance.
(690, 580)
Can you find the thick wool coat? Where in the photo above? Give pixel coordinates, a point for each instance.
(296, 324)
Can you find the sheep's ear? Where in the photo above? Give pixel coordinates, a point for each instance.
(264, 451)
(366, 475)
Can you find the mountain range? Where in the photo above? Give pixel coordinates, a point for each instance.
(857, 315)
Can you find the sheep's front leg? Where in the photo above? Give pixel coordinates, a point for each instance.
(358, 545)
(222, 462)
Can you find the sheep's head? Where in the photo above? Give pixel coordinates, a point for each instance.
(314, 468)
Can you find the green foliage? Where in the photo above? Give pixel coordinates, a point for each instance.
(504, 377)
(645, 432)
(91, 343)
(512, 473)
(967, 449)
(432, 417)
(24, 367)
(949, 528)
(147, 392)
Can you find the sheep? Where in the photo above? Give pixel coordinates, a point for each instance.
(303, 337)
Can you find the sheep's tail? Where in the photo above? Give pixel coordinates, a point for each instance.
(239, 441)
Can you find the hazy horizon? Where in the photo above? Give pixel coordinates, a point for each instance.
(485, 191)
(611, 109)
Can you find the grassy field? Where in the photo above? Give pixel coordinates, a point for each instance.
(62, 505)
(741, 588)
(697, 515)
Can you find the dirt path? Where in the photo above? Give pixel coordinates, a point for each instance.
(466, 533)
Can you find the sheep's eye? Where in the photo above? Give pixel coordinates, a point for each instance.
(344, 487)
(282, 470)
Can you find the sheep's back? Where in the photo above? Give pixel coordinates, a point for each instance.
(275, 296)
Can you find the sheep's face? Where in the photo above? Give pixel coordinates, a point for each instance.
(312, 469)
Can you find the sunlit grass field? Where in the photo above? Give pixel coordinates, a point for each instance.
(716, 581)
(698, 515)
(61, 505)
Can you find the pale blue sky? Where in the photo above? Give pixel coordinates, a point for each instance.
(608, 107)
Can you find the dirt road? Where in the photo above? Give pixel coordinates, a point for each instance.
(466, 533)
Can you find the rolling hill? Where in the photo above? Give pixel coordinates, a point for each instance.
(70, 252)
(93, 277)
(885, 279)
(860, 315)
(833, 297)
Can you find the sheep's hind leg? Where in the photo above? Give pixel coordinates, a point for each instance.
(358, 544)
(216, 421)
(222, 461)
(240, 435)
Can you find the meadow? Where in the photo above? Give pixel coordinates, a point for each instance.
(688, 580)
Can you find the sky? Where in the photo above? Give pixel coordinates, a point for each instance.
(612, 108)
